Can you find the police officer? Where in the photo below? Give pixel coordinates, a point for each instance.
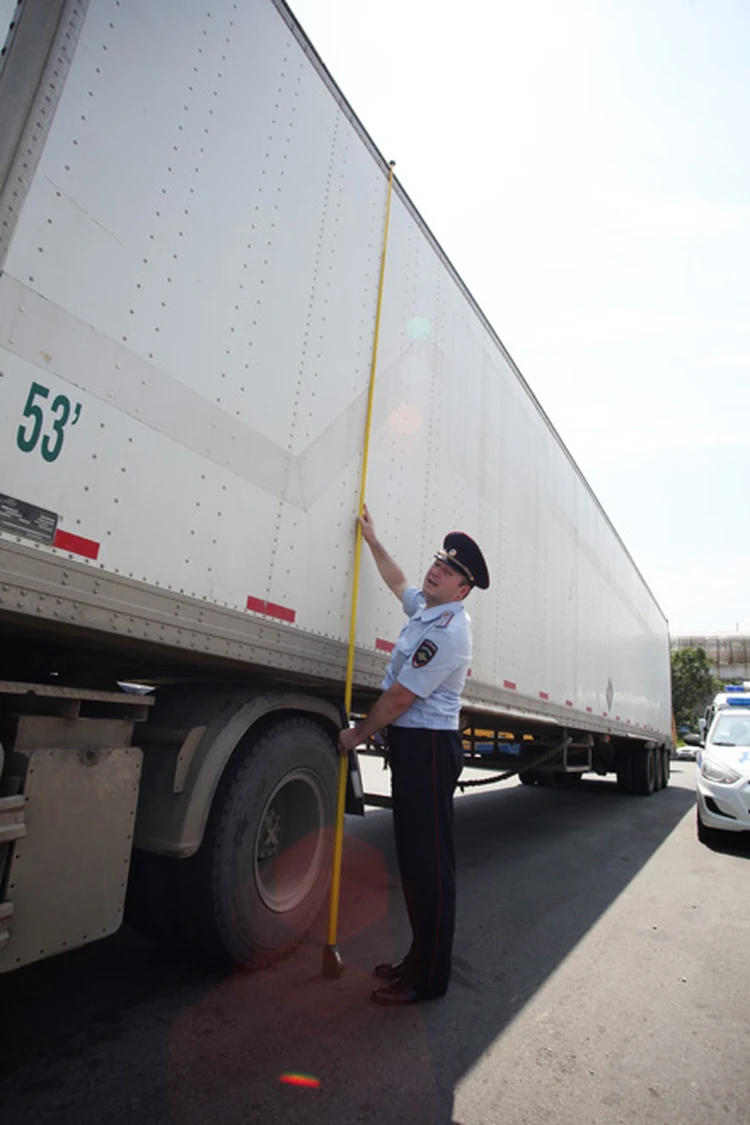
(420, 706)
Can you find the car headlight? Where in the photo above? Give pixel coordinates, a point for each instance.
(717, 771)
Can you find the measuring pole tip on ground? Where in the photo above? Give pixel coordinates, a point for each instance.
(333, 965)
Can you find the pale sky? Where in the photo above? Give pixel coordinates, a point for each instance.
(585, 165)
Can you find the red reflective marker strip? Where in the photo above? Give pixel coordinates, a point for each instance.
(589, 710)
(468, 673)
(384, 646)
(76, 544)
(568, 702)
(271, 610)
(509, 685)
(544, 695)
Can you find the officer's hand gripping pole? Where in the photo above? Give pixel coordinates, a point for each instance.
(333, 966)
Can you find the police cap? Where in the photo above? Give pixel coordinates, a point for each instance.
(461, 552)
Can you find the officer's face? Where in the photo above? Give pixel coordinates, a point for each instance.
(443, 584)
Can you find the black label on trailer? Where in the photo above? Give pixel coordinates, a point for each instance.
(23, 519)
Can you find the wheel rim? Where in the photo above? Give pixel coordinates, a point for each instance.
(290, 841)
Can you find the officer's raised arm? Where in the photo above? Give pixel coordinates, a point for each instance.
(390, 571)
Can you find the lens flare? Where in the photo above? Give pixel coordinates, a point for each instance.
(306, 1080)
(405, 420)
(420, 328)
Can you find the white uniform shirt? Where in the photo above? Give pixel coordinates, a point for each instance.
(431, 658)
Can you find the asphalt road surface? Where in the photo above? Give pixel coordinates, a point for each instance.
(600, 977)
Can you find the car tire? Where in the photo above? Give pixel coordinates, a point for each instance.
(711, 837)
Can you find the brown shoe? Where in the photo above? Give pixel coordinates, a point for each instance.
(395, 995)
(391, 973)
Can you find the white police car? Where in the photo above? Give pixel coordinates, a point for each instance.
(731, 695)
(723, 775)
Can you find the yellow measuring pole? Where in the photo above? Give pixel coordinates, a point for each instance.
(332, 963)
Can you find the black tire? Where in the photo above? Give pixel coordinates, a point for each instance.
(711, 837)
(643, 771)
(262, 872)
(624, 768)
(566, 780)
(535, 777)
(271, 843)
(658, 770)
(666, 766)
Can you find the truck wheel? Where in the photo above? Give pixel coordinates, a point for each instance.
(269, 846)
(566, 780)
(643, 766)
(262, 872)
(658, 770)
(535, 777)
(623, 768)
(666, 766)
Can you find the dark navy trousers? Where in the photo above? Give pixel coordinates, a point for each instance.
(425, 765)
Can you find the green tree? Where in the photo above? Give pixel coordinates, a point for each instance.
(693, 685)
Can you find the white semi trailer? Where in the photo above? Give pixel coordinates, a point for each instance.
(191, 218)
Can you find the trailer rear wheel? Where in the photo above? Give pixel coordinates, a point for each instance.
(624, 768)
(566, 780)
(658, 770)
(666, 766)
(535, 777)
(643, 766)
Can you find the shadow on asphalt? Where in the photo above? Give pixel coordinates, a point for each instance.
(122, 1032)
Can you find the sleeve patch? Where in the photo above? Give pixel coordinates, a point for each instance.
(424, 654)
